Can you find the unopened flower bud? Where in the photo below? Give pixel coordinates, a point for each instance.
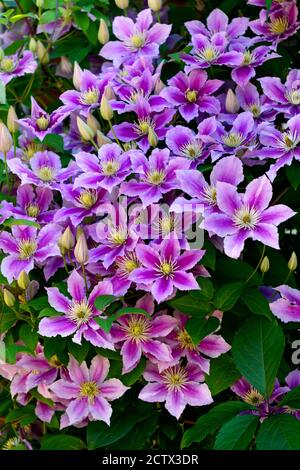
(293, 262)
(12, 118)
(81, 251)
(77, 76)
(159, 85)
(5, 139)
(109, 93)
(93, 123)
(32, 45)
(123, 4)
(106, 109)
(39, 3)
(84, 130)
(103, 33)
(265, 265)
(23, 280)
(65, 67)
(9, 298)
(231, 103)
(155, 5)
(67, 240)
(42, 53)
(102, 139)
(152, 137)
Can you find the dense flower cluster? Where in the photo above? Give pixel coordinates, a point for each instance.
(113, 219)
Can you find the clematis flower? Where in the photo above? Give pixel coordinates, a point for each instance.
(183, 142)
(41, 123)
(26, 247)
(44, 170)
(282, 146)
(108, 170)
(13, 66)
(247, 216)
(123, 267)
(135, 39)
(165, 269)
(284, 98)
(137, 334)
(156, 175)
(78, 313)
(32, 203)
(147, 120)
(287, 307)
(86, 98)
(211, 51)
(218, 22)
(278, 25)
(178, 386)
(192, 94)
(87, 392)
(73, 140)
(250, 100)
(228, 170)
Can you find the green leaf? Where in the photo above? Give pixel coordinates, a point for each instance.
(2, 93)
(48, 17)
(39, 303)
(293, 174)
(281, 432)
(237, 270)
(54, 141)
(48, 312)
(132, 310)
(53, 346)
(191, 305)
(28, 336)
(268, 4)
(79, 351)
(207, 288)
(257, 351)
(138, 437)
(24, 415)
(256, 302)
(62, 442)
(292, 399)
(7, 320)
(209, 259)
(82, 20)
(130, 378)
(103, 301)
(198, 328)
(12, 221)
(227, 296)
(237, 433)
(209, 423)
(222, 374)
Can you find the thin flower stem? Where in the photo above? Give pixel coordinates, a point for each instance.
(84, 277)
(6, 171)
(15, 144)
(114, 134)
(65, 264)
(258, 264)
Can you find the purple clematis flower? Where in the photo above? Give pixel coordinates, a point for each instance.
(16, 66)
(211, 51)
(247, 216)
(250, 100)
(278, 25)
(287, 307)
(32, 204)
(284, 98)
(164, 268)
(87, 392)
(262, 407)
(26, 246)
(87, 98)
(108, 170)
(78, 313)
(283, 146)
(137, 334)
(44, 170)
(192, 94)
(41, 123)
(135, 39)
(123, 267)
(156, 175)
(178, 386)
(237, 140)
(146, 120)
(227, 170)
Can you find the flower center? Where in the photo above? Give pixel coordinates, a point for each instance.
(210, 194)
(248, 57)
(138, 328)
(89, 390)
(137, 40)
(175, 377)
(7, 65)
(80, 312)
(91, 96)
(143, 126)
(167, 224)
(30, 150)
(167, 268)
(253, 397)
(118, 236)
(255, 110)
(293, 96)
(126, 264)
(110, 167)
(88, 198)
(192, 149)
(208, 53)
(279, 25)
(156, 177)
(46, 173)
(191, 96)
(289, 140)
(246, 217)
(233, 139)
(11, 443)
(185, 340)
(55, 362)
(43, 122)
(32, 210)
(27, 248)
